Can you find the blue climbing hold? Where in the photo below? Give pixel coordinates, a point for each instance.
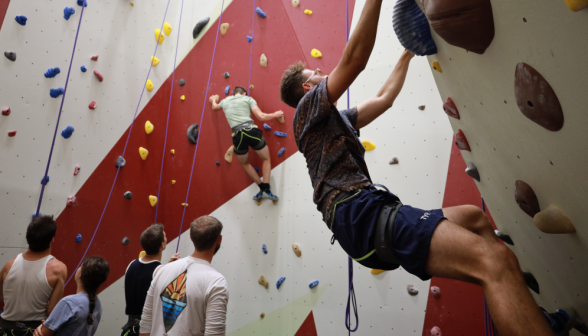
(280, 134)
(37, 214)
(281, 151)
(412, 28)
(84, 68)
(267, 127)
(79, 238)
(313, 284)
(66, 133)
(54, 93)
(45, 180)
(249, 38)
(67, 12)
(83, 2)
(260, 12)
(227, 89)
(280, 280)
(256, 170)
(52, 72)
(21, 19)
(264, 249)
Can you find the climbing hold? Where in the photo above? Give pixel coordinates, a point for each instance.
(251, 87)
(83, 2)
(249, 38)
(308, 11)
(21, 19)
(526, 198)
(154, 61)
(281, 134)
(94, 58)
(159, 36)
(143, 152)
(260, 12)
(536, 99)
(422, 107)
(436, 66)
(148, 127)
(473, 171)
(262, 315)
(368, 145)
(296, 250)
(77, 169)
(281, 119)
(132, 4)
(412, 28)
(142, 254)
(295, 3)
(223, 28)
(376, 271)
(67, 132)
(217, 163)
(436, 331)
(531, 282)
(11, 133)
(184, 204)
(167, 28)
(226, 75)
(264, 249)
(263, 281)
(216, 98)
(193, 133)
(256, 169)
(120, 162)
(313, 284)
(576, 5)
(229, 154)
(316, 53)
(78, 238)
(92, 105)
(553, 220)
(450, 108)
(182, 97)
(149, 85)
(45, 180)
(436, 291)
(54, 93)
(128, 195)
(98, 75)
(173, 151)
(11, 55)
(173, 181)
(503, 237)
(279, 282)
(70, 201)
(152, 200)
(6, 111)
(52, 72)
(182, 82)
(67, 12)
(267, 127)
(393, 161)
(464, 24)
(263, 61)
(461, 142)
(227, 89)
(412, 290)
(199, 26)
(125, 240)
(83, 68)
(281, 151)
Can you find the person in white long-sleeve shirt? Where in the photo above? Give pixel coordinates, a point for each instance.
(189, 297)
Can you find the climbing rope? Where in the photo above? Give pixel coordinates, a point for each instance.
(45, 177)
(124, 150)
(251, 52)
(201, 128)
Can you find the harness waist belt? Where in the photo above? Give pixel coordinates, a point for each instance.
(19, 325)
(244, 126)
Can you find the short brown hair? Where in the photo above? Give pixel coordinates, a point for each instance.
(40, 233)
(291, 90)
(240, 90)
(152, 238)
(204, 231)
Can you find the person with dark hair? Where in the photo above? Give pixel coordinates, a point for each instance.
(238, 109)
(79, 314)
(189, 297)
(371, 224)
(32, 282)
(139, 274)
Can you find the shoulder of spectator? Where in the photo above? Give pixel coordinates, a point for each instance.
(57, 267)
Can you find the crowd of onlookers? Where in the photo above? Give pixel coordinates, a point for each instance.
(184, 297)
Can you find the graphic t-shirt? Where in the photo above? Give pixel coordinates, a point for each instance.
(237, 109)
(330, 143)
(70, 316)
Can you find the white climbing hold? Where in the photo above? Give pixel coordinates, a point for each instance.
(263, 61)
(223, 28)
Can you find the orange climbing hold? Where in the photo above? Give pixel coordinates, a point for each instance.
(461, 142)
(553, 220)
(576, 5)
(436, 66)
(263, 281)
(377, 271)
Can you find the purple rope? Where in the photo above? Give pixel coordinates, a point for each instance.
(60, 110)
(483, 205)
(251, 52)
(201, 120)
(168, 111)
(123, 154)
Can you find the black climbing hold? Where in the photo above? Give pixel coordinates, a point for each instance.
(21, 19)
(217, 163)
(473, 171)
(128, 195)
(125, 240)
(120, 162)
(526, 198)
(412, 28)
(45, 180)
(54, 93)
(531, 282)
(226, 74)
(193, 133)
(11, 55)
(52, 72)
(503, 237)
(199, 26)
(182, 82)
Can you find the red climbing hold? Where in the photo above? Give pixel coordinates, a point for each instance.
(92, 105)
(11, 133)
(436, 291)
(6, 111)
(436, 331)
(71, 200)
(98, 75)
(95, 58)
(77, 169)
(461, 142)
(450, 108)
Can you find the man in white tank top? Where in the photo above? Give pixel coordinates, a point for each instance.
(32, 283)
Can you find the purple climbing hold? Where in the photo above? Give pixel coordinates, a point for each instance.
(67, 12)
(281, 152)
(260, 12)
(54, 93)
(45, 180)
(281, 134)
(52, 72)
(267, 127)
(21, 19)
(67, 132)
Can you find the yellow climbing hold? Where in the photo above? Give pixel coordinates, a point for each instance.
(173, 151)
(142, 254)
(148, 127)
(229, 155)
(149, 86)
(308, 11)
(436, 66)
(316, 53)
(154, 61)
(152, 200)
(183, 97)
(263, 61)
(184, 204)
(368, 145)
(173, 181)
(295, 3)
(251, 87)
(553, 220)
(159, 36)
(223, 28)
(167, 28)
(143, 152)
(133, 5)
(576, 5)
(377, 271)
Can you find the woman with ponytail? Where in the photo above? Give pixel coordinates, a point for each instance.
(79, 314)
